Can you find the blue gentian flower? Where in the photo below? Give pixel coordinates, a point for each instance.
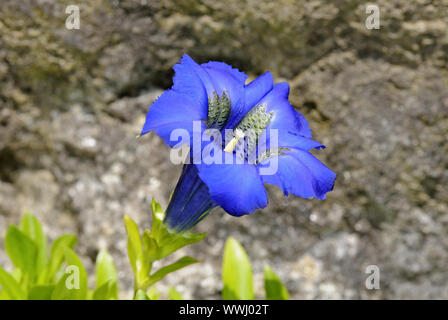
(215, 95)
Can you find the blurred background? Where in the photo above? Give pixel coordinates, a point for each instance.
(73, 101)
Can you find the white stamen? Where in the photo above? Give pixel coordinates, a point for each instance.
(232, 144)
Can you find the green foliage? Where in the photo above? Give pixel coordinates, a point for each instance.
(160, 241)
(137, 258)
(237, 276)
(174, 294)
(73, 284)
(106, 277)
(33, 229)
(23, 253)
(153, 294)
(162, 272)
(41, 292)
(236, 272)
(59, 275)
(57, 254)
(141, 295)
(153, 245)
(275, 290)
(10, 287)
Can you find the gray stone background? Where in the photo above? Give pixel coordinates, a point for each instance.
(73, 101)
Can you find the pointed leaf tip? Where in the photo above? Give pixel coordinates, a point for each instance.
(236, 272)
(275, 289)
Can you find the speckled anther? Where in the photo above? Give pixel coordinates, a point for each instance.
(218, 110)
(253, 125)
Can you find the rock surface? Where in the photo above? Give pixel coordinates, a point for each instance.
(73, 101)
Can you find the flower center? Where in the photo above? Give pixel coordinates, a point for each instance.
(253, 125)
(243, 139)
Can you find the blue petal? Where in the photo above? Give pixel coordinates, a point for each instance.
(225, 68)
(265, 143)
(254, 92)
(292, 128)
(190, 202)
(192, 80)
(172, 110)
(237, 188)
(301, 174)
(257, 89)
(285, 118)
(304, 125)
(284, 141)
(229, 80)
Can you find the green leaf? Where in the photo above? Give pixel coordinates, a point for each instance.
(141, 295)
(106, 291)
(41, 292)
(73, 260)
(33, 229)
(153, 294)
(57, 253)
(102, 292)
(17, 274)
(160, 242)
(236, 272)
(176, 241)
(275, 290)
(135, 251)
(106, 273)
(73, 284)
(3, 295)
(10, 287)
(139, 263)
(167, 243)
(162, 272)
(157, 217)
(174, 294)
(22, 251)
(155, 245)
(62, 291)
